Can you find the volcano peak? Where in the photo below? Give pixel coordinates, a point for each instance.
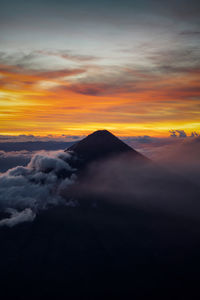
(101, 144)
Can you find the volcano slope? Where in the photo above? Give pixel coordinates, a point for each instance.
(134, 233)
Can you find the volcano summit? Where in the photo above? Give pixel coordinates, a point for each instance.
(102, 144)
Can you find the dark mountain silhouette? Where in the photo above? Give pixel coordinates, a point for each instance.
(102, 144)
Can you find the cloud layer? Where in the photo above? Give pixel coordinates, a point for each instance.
(172, 184)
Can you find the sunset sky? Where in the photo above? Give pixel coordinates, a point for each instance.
(72, 67)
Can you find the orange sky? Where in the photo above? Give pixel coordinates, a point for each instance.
(72, 67)
(52, 102)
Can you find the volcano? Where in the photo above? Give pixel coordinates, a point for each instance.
(102, 144)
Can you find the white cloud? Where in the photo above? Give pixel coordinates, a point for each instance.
(18, 217)
(35, 186)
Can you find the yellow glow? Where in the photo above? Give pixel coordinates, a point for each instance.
(45, 104)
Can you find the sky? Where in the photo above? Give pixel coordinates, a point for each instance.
(72, 67)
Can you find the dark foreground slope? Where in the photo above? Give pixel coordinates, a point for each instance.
(113, 252)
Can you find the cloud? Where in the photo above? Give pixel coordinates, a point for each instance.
(171, 185)
(18, 75)
(35, 60)
(181, 133)
(68, 55)
(26, 215)
(36, 186)
(12, 159)
(181, 157)
(190, 32)
(18, 59)
(110, 81)
(152, 92)
(18, 150)
(46, 163)
(175, 60)
(178, 155)
(22, 138)
(151, 187)
(145, 139)
(58, 73)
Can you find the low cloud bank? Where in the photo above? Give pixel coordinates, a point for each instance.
(179, 155)
(149, 187)
(172, 184)
(25, 190)
(169, 183)
(22, 138)
(35, 145)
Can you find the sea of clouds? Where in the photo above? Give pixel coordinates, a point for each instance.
(31, 181)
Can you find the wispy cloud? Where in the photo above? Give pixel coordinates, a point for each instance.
(190, 32)
(167, 88)
(69, 55)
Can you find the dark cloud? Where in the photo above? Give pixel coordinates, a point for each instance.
(114, 80)
(34, 145)
(181, 133)
(195, 134)
(190, 32)
(18, 59)
(95, 89)
(59, 73)
(20, 62)
(177, 60)
(36, 138)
